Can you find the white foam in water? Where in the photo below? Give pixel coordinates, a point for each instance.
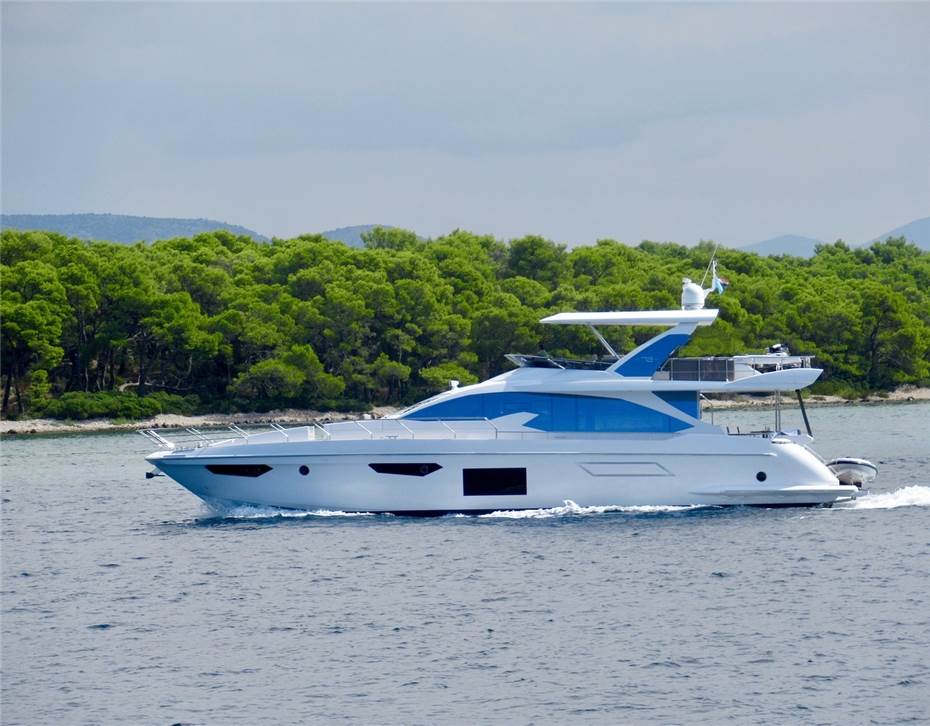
(246, 511)
(571, 508)
(912, 496)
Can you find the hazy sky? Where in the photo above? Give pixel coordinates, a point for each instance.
(734, 122)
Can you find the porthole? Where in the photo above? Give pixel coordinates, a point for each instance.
(761, 476)
(304, 469)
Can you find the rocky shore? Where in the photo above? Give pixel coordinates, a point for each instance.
(291, 417)
(299, 417)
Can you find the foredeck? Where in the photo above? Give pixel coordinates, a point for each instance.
(375, 429)
(385, 429)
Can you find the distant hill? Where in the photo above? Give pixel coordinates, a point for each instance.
(351, 236)
(917, 232)
(787, 244)
(120, 227)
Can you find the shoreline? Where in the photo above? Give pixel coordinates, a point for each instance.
(904, 394)
(300, 417)
(27, 427)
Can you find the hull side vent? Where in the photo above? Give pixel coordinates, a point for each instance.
(407, 469)
(251, 470)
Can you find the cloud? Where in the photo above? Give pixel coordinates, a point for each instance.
(734, 121)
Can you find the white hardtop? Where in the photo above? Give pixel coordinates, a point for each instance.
(634, 317)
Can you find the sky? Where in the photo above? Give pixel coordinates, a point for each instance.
(576, 121)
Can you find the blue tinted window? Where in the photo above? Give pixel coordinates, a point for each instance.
(559, 412)
(564, 412)
(684, 401)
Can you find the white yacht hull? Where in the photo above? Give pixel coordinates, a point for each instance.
(461, 475)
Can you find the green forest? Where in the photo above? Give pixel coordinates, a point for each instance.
(222, 323)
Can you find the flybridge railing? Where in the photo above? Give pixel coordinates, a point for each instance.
(373, 429)
(191, 438)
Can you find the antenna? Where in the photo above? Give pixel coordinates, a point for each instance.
(710, 264)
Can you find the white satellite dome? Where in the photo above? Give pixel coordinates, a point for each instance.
(692, 295)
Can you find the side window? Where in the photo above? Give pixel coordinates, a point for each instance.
(493, 482)
(557, 412)
(504, 404)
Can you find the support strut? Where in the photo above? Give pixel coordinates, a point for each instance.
(807, 423)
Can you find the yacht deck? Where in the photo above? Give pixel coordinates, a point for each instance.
(378, 430)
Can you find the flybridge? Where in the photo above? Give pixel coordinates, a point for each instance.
(653, 358)
(646, 359)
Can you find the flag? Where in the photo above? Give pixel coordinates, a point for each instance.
(718, 284)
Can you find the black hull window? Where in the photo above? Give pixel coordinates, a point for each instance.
(493, 482)
(410, 469)
(252, 470)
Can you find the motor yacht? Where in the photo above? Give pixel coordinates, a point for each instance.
(622, 430)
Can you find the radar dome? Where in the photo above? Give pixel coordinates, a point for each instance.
(692, 296)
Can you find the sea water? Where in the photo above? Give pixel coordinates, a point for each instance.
(126, 600)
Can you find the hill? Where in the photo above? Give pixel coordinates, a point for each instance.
(787, 244)
(917, 232)
(120, 227)
(351, 236)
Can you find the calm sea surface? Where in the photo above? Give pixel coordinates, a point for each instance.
(127, 601)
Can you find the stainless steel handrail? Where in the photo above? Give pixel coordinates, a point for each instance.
(364, 428)
(280, 429)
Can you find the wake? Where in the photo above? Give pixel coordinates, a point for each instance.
(248, 511)
(223, 511)
(572, 509)
(912, 496)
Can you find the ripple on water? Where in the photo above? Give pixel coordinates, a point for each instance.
(144, 603)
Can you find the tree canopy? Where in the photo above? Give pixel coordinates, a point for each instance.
(222, 322)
